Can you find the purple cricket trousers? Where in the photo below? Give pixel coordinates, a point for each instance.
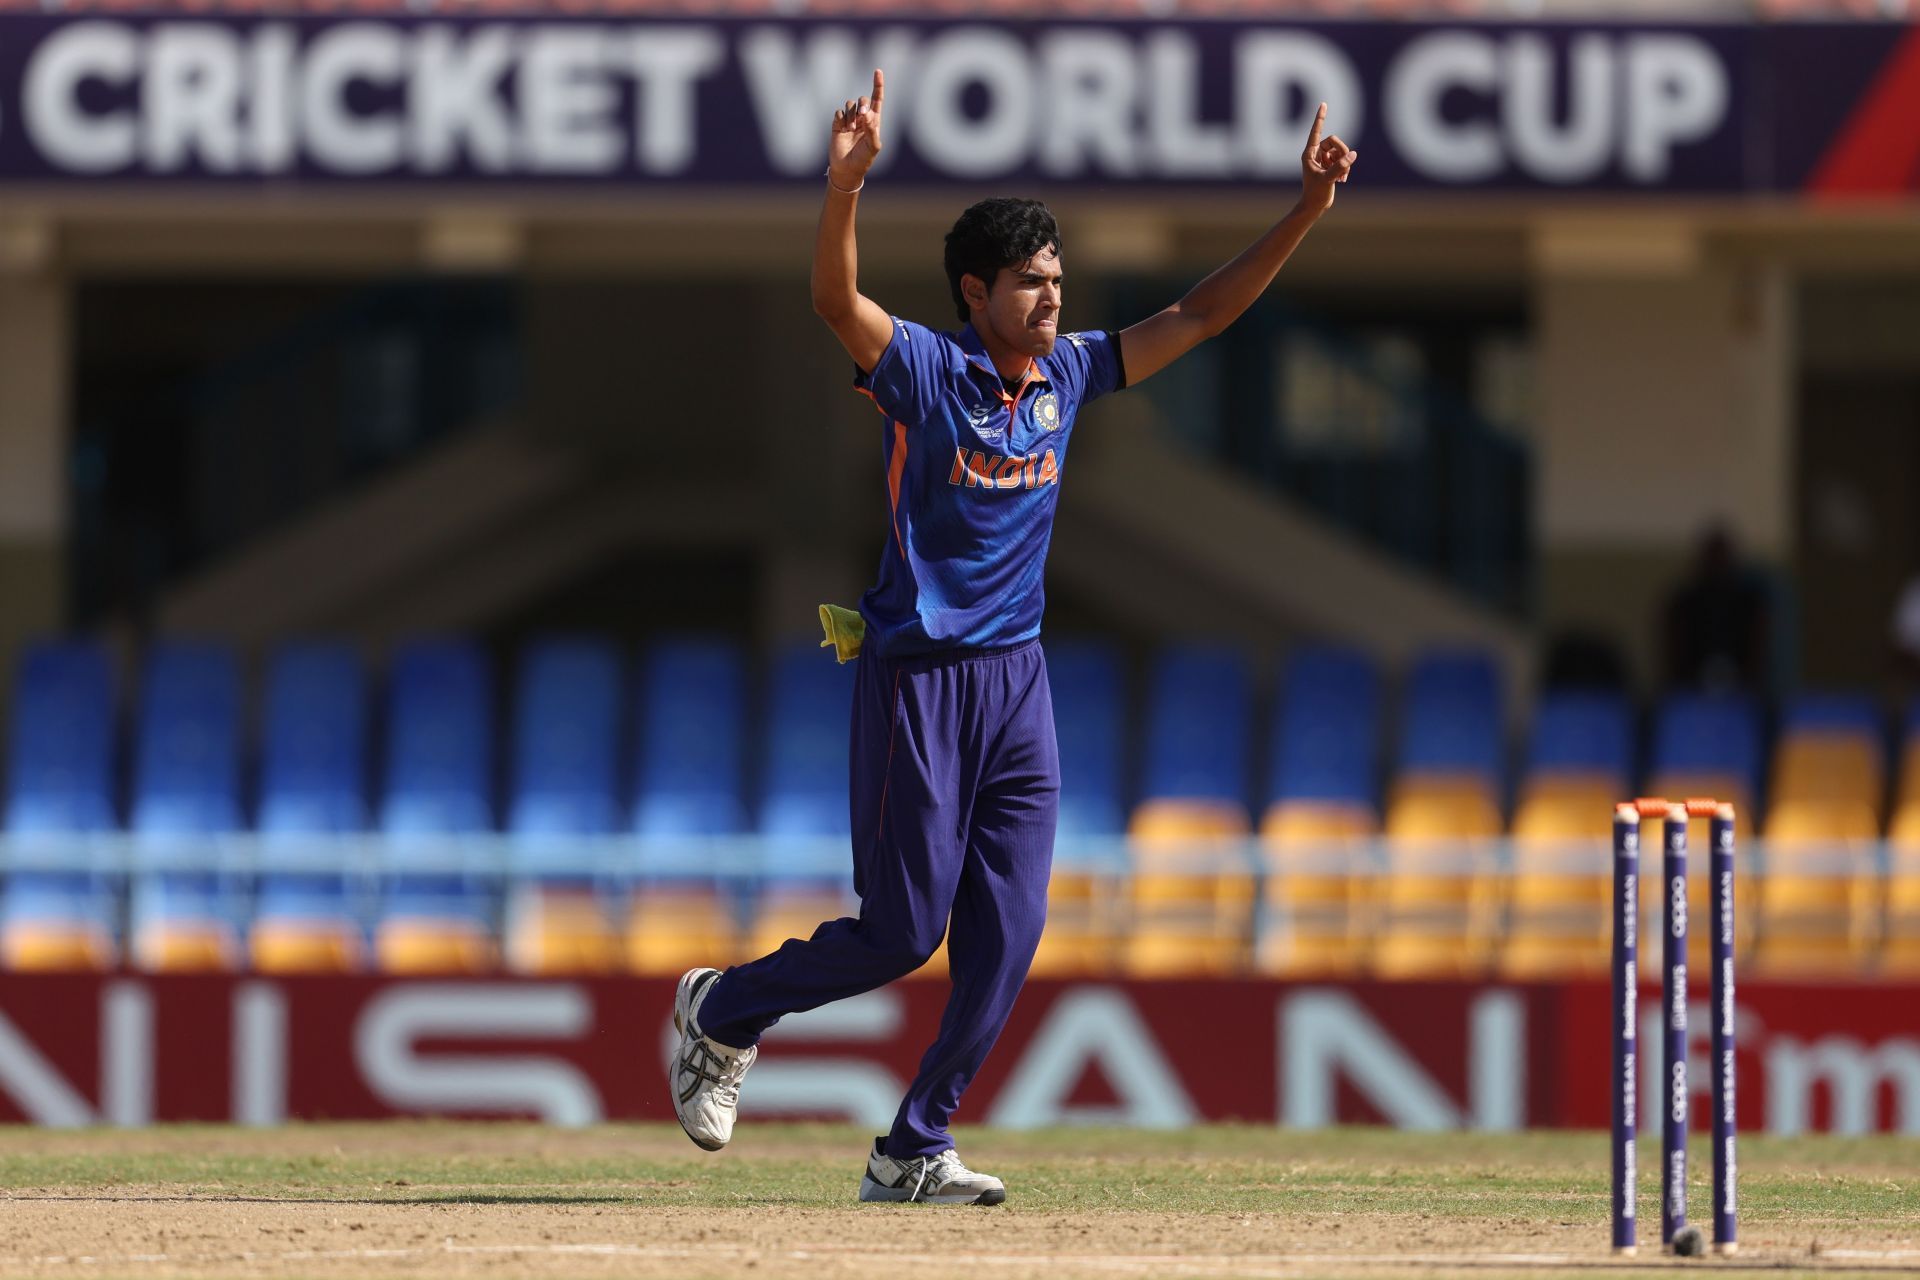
(955, 792)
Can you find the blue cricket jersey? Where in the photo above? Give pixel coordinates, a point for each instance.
(973, 478)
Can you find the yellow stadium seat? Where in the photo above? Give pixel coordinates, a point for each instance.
(1816, 909)
(433, 945)
(306, 946)
(1192, 904)
(553, 932)
(1559, 910)
(1722, 787)
(1081, 938)
(1314, 906)
(1900, 950)
(32, 946)
(1836, 769)
(1566, 807)
(1436, 898)
(794, 913)
(183, 947)
(671, 930)
(1183, 820)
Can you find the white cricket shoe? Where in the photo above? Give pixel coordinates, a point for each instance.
(940, 1179)
(706, 1074)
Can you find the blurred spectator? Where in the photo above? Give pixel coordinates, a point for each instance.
(1578, 658)
(1716, 621)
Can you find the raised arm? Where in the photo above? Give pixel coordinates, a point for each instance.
(861, 324)
(1219, 300)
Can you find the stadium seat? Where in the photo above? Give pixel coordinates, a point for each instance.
(57, 913)
(313, 778)
(1192, 893)
(1322, 814)
(1704, 745)
(186, 800)
(1090, 718)
(564, 785)
(438, 790)
(1817, 908)
(690, 750)
(804, 791)
(689, 790)
(1437, 899)
(1579, 764)
(1900, 948)
(1089, 712)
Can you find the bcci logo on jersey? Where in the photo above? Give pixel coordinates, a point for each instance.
(1046, 412)
(991, 471)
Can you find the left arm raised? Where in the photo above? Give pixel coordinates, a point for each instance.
(1216, 302)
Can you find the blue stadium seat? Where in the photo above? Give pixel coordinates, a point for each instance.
(438, 788)
(1326, 733)
(804, 790)
(186, 795)
(1847, 714)
(60, 752)
(439, 761)
(313, 744)
(566, 740)
(1199, 734)
(1584, 733)
(1452, 722)
(1090, 718)
(313, 784)
(1704, 737)
(690, 753)
(59, 783)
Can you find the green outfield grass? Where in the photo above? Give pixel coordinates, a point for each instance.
(1224, 1170)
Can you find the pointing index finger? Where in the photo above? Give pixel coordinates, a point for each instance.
(879, 87)
(1319, 119)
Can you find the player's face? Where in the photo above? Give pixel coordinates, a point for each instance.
(1023, 306)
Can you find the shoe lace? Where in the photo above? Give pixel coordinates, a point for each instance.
(724, 1073)
(947, 1165)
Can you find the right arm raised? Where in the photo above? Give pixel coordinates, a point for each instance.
(862, 325)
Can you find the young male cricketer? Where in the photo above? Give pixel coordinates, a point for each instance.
(955, 774)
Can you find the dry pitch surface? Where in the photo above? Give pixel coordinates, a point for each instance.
(520, 1200)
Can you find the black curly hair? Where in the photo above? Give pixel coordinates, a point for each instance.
(998, 232)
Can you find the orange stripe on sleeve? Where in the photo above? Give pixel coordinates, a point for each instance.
(895, 469)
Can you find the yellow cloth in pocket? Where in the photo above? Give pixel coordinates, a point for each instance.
(845, 630)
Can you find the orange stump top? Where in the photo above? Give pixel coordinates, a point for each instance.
(1696, 807)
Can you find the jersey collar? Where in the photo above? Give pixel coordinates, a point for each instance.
(976, 350)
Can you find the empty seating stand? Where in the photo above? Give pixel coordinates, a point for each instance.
(1900, 949)
(689, 791)
(1704, 744)
(1192, 894)
(1579, 763)
(564, 783)
(1089, 704)
(1437, 896)
(57, 911)
(313, 788)
(1322, 814)
(803, 798)
(186, 800)
(1818, 911)
(438, 793)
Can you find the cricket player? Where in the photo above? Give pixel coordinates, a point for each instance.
(955, 774)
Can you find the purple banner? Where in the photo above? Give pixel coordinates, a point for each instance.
(594, 100)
